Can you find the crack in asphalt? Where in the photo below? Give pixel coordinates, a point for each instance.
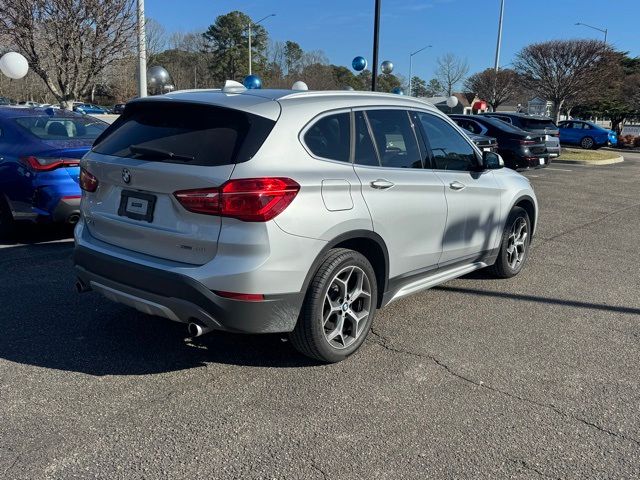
(318, 469)
(384, 343)
(526, 466)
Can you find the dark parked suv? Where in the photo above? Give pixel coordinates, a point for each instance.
(519, 148)
(534, 124)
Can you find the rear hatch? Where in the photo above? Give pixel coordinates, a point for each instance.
(544, 127)
(155, 149)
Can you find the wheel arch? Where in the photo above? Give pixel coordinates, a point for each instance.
(529, 205)
(366, 242)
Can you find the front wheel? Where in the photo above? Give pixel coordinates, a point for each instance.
(338, 309)
(587, 143)
(514, 247)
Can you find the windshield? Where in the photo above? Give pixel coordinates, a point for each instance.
(49, 127)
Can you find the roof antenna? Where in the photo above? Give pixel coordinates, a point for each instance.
(231, 86)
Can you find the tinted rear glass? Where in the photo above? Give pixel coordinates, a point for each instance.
(62, 128)
(208, 134)
(500, 125)
(538, 124)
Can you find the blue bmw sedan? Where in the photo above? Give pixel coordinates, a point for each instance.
(40, 150)
(586, 134)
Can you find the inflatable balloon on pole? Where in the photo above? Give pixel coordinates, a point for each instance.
(14, 65)
(452, 102)
(398, 91)
(252, 82)
(386, 67)
(359, 63)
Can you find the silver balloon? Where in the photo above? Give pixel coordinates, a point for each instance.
(299, 85)
(452, 101)
(349, 87)
(14, 65)
(386, 67)
(158, 76)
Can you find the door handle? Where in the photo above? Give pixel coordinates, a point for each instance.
(381, 184)
(457, 185)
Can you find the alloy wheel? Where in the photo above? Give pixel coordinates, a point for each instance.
(587, 143)
(517, 243)
(346, 307)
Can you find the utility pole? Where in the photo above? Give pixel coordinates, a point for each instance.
(142, 52)
(497, 63)
(376, 35)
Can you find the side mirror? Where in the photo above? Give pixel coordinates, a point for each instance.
(492, 161)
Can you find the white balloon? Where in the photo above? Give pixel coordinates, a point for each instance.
(299, 85)
(452, 101)
(14, 65)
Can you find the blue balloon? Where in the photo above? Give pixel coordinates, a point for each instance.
(398, 91)
(252, 82)
(359, 64)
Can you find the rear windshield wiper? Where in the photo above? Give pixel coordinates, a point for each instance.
(139, 149)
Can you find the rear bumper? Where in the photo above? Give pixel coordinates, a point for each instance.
(181, 298)
(67, 210)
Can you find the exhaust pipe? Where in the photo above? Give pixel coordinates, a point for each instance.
(81, 287)
(196, 329)
(73, 219)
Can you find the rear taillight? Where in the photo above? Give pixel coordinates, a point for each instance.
(247, 199)
(246, 297)
(44, 164)
(88, 182)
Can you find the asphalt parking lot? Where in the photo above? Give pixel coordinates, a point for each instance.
(533, 377)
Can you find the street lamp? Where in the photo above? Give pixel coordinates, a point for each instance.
(411, 66)
(499, 43)
(603, 30)
(251, 23)
(376, 35)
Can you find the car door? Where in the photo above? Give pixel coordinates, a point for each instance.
(574, 132)
(473, 195)
(406, 202)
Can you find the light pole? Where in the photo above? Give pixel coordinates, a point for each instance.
(603, 30)
(376, 34)
(251, 23)
(411, 66)
(497, 63)
(142, 52)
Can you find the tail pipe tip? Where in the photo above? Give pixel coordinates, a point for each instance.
(82, 287)
(197, 329)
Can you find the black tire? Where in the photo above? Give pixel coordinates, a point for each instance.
(310, 336)
(7, 224)
(587, 143)
(504, 266)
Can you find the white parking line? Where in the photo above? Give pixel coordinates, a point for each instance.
(559, 169)
(64, 240)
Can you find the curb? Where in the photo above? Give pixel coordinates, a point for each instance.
(607, 161)
(621, 150)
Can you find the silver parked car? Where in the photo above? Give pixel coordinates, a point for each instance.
(279, 211)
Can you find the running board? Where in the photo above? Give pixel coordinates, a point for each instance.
(436, 279)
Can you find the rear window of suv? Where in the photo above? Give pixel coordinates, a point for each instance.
(538, 124)
(193, 134)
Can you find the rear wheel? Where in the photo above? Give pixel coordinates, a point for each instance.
(338, 309)
(514, 247)
(7, 224)
(587, 143)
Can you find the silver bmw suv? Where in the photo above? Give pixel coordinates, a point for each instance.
(279, 211)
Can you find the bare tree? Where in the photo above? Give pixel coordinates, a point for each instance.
(494, 87)
(561, 70)
(156, 36)
(69, 43)
(451, 71)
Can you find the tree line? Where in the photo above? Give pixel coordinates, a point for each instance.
(94, 57)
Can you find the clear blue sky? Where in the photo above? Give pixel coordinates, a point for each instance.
(344, 28)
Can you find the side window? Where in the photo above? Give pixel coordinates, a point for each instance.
(449, 149)
(330, 137)
(586, 126)
(395, 139)
(365, 152)
(505, 119)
